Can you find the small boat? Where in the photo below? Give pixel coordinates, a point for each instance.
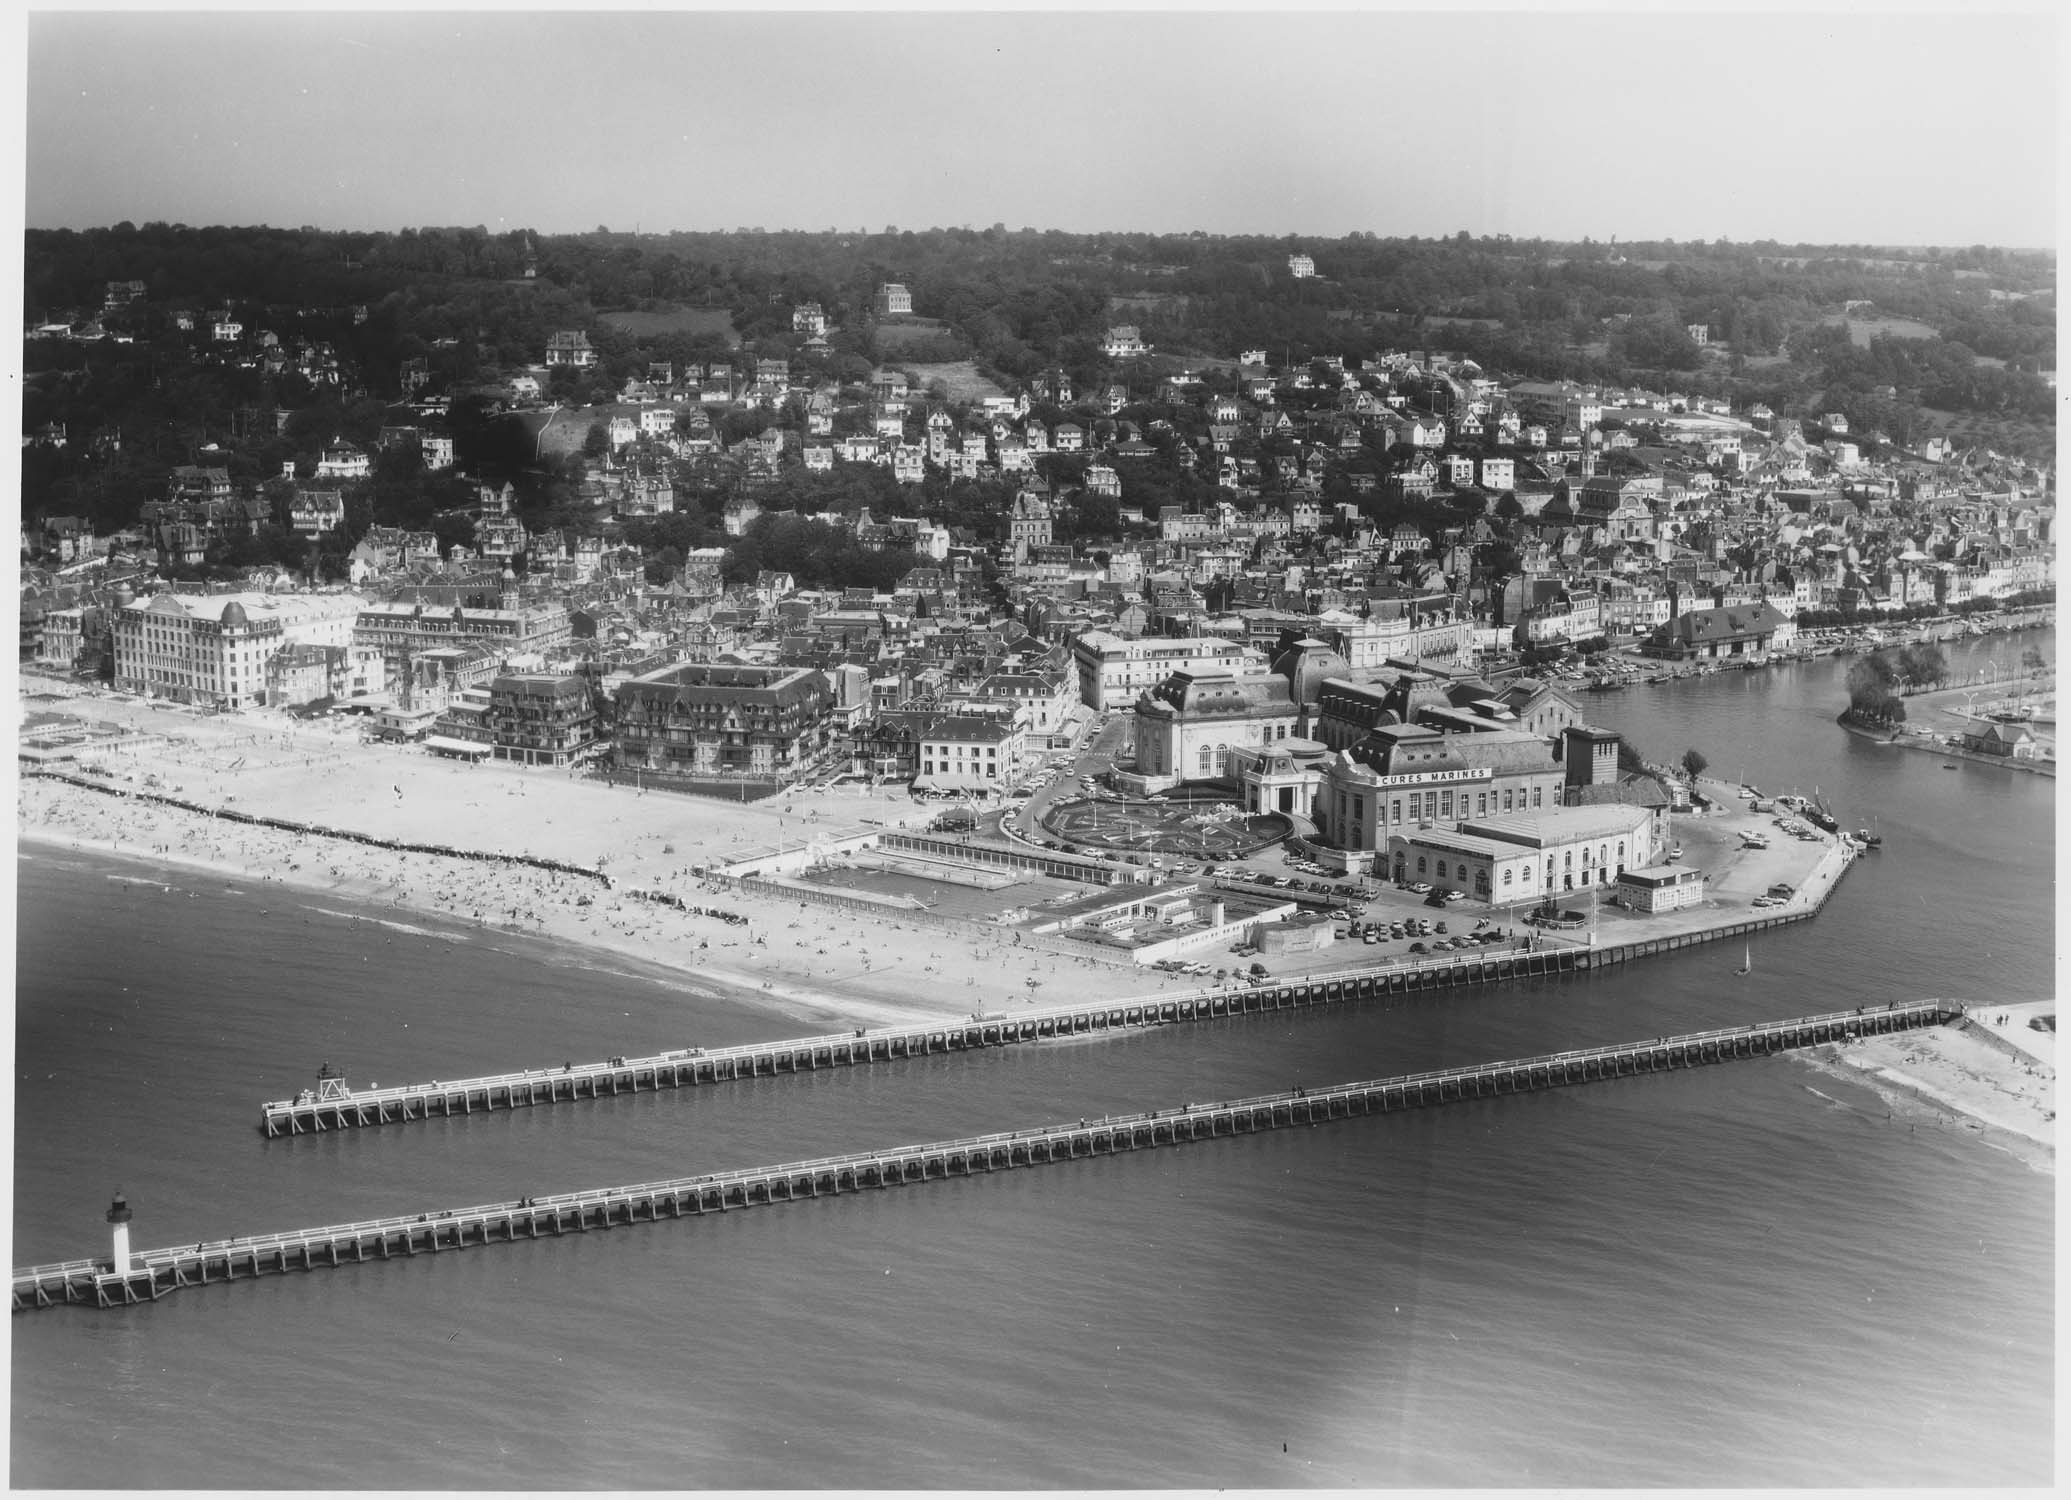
(1747, 961)
(1868, 840)
(1948, 765)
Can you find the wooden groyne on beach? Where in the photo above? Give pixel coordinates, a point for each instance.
(153, 1273)
(332, 1106)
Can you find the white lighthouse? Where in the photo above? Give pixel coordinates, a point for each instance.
(119, 1217)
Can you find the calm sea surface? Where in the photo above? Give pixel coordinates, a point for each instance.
(1747, 1275)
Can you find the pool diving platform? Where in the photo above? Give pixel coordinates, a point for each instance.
(151, 1274)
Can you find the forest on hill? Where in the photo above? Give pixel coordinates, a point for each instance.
(1802, 328)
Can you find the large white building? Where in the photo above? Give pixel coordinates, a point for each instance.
(972, 753)
(213, 649)
(398, 628)
(1530, 856)
(1112, 670)
(1187, 725)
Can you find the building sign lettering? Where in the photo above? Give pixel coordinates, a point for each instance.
(1433, 778)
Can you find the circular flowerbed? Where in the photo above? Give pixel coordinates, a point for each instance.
(1194, 827)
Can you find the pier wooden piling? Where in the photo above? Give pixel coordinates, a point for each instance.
(342, 1109)
(156, 1272)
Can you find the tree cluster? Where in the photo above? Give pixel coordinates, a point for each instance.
(816, 554)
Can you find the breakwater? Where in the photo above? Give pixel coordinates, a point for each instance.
(153, 1273)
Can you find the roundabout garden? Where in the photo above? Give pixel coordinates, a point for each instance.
(1191, 825)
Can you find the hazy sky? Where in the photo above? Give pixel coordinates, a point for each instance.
(1846, 126)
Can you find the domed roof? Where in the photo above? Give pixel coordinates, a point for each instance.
(233, 614)
(1307, 664)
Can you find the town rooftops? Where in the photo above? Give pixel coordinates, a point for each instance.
(969, 729)
(538, 685)
(726, 681)
(1212, 695)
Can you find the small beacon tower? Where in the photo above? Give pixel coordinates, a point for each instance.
(119, 1216)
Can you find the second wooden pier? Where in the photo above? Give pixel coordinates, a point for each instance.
(153, 1273)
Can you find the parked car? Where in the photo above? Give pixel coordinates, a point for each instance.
(1420, 887)
(1418, 948)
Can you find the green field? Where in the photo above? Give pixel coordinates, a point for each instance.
(1862, 330)
(1146, 304)
(678, 320)
(894, 334)
(962, 378)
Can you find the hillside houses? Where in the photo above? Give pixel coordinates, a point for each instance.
(1405, 511)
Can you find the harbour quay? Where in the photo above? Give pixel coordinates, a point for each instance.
(126, 1279)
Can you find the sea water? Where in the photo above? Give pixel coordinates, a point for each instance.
(1745, 1275)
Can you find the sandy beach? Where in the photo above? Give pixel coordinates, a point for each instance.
(1995, 1074)
(811, 968)
(818, 968)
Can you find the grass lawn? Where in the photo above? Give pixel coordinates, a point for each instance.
(892, 334)
(678, 320)
(1862, 330)
(964, 382)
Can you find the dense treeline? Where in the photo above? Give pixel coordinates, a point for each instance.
(815, 554)
(1020, 300)
(474, 306)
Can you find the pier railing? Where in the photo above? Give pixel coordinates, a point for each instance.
(156, 1272)
(1515, 958)
(688, 1067)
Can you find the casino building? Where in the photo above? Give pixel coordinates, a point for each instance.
(1187, 726)
(1195, 719)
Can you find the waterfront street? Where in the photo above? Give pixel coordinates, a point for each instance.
(857, 969)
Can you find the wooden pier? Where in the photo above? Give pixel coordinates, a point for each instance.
(338, 1108)
(331, 1106)
(156, 1272)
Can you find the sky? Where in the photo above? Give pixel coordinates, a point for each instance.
(1844, 126)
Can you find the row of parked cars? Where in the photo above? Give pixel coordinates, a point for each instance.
(1256, 974)
(1311, 867)
(1279, 882)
